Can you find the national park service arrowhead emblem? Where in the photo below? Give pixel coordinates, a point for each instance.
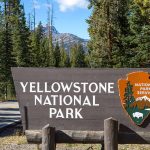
(135, 96)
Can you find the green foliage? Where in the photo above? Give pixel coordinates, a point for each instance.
(144, 6)
(106, 29)
(36, 45)
(139, 37)
(73, 56)
(14, 50)
(6, 53)
(65, 60)
(77, 58)
(128, 96)
(51, 56)
(57, 55)
(44, 53)
(120, 33)
(20, 36)
(80, 56)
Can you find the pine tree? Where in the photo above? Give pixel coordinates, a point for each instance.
(67, 64)
(77, 58)
(106, 26)
(50, 20)
(57, 55)
(26, 42)
(73, 56)
(80, 56)
(128, 96)
(139, 37)
(20, 35)
(51, 56)
(37, 39)
(6, 57)
(101, 28)
(2, 49)
(65, 60)
(14, 41)
(44, 52)
(121, 51)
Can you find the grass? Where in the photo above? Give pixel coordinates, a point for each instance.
(19, 140)
(97, 147)
(13, 140)
(8, 99)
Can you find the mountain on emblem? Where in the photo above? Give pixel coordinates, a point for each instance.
(135, 96)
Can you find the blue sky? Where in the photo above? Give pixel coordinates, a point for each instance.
(69, 15)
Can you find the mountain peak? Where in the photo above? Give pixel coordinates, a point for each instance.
(144, 98)
(67, 38)
(52, 28)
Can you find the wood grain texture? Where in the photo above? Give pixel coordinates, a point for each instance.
(93, 137)
(48, 138)
(110, 134)
(67, 136)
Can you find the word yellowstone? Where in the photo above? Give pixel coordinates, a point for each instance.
(76, 87)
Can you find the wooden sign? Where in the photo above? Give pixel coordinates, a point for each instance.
(81, 99)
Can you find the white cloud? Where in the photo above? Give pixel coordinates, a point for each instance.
(36, 4)
(64, 5)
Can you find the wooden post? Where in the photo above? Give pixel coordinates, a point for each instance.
(110, 134)
(25, 118)
(48, 138)
(102, 146)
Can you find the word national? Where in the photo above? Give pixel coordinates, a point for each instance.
(66, 100)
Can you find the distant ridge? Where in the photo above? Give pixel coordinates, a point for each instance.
(68, 38)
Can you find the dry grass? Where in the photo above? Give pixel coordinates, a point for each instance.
(13, 140)
(21, 140)
(97, 147)
(134, 147)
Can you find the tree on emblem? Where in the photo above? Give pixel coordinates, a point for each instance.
(128, 96)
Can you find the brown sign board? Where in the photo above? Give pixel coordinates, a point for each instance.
(81, 99)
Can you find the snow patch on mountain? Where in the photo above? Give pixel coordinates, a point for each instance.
(144, 98)
(68, 39)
